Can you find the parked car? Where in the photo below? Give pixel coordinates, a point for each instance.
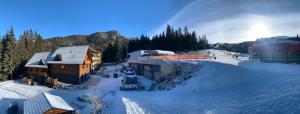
(130, 81)
(116, 75)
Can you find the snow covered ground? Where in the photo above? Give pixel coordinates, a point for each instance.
(223, 86)
(13, 91)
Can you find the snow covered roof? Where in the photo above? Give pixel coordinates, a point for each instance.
(70, 55)
(37, 58)
(138, 52)
(164, 52)
(43, 102)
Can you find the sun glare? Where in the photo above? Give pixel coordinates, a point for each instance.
(258, 30)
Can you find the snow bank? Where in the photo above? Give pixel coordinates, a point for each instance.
(217, 76)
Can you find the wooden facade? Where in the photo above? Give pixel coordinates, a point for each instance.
(74, 72)
(43, 72)
(96, 59)
(37, 74)
(71, 73)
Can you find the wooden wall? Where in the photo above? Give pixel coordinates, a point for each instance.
(37, 71)
(85, 68)
(71, 69)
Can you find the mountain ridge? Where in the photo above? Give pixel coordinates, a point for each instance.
(97, 40)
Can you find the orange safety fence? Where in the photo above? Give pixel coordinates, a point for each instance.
(183, 57)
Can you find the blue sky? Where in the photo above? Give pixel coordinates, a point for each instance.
(66, 17)
(228, 21)
(235, 21)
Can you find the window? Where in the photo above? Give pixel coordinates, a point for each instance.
(62, 66)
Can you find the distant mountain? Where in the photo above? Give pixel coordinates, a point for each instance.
(98, 40)
(235, 47)
(243, 46)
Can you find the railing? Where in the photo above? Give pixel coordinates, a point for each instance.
(172, 57)
(183, 57)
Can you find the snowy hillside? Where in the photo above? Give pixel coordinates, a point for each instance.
(225, 85)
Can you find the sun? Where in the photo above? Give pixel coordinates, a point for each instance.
(258, 30)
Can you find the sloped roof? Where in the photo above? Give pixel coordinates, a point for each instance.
(70, 55)
(43, 102)
(164, 52)
(35, 60)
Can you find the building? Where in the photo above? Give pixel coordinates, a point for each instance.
(276, 51)
(153, 69)
(46, 103)
(96, 59)
(37, 65)
(161, 67)
(67, 64)
(142, 53)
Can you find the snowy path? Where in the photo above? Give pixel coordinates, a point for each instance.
(132, 107)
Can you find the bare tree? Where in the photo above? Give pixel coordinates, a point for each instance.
(95, 100)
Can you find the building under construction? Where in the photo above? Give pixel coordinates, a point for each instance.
(161, 67)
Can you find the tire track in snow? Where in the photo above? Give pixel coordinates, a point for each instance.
(132, 107)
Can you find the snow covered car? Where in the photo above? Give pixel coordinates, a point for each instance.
(130, 82)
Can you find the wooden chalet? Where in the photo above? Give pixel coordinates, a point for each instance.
(46, 103)
(67, 64)
(37, 67)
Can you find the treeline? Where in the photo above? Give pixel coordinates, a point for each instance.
(15, 53)
(237, 47)
(171, 39)
(115, 52)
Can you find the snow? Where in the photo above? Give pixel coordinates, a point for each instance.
(164, 52)
(223, 86)
(70, 55)
(13, 91)
(132, 107)
(226, 85)
(35, 59)
(57, 102)
(43, 102)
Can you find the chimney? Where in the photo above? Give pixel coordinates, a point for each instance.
(58, 57)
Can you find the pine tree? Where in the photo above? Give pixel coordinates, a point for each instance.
(108, 54)
(38, 43)
(0, 49)
(170, 39)
(1, 54)
(118, 50)
(8, 55)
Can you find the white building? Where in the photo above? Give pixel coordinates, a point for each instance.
(142, 53)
